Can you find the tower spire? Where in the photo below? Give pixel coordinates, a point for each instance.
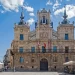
(22, 18)
(65, 21)
(65, 15)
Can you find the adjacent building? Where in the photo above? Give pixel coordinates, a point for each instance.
(8, 59)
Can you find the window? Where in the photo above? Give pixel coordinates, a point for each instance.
(41, 22)
(54, 48)
(21, 49)
(21, 59)
(66, 37)
(32, 60)
(44, 19)
(55, 68)
(21, 37)
(66, 49)
(33, 49)
(66, 59)
(32, 66)
(43, 49)
(21, 66)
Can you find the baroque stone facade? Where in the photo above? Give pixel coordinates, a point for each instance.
(44, 48)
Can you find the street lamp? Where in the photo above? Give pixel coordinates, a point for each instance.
(13, 60)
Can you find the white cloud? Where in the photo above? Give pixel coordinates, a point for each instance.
(57, 12)
(30, 21)
(29, 9)
(56, 5)
(2, 11)
(11, 4)
(14, 5)
(31, 14)
(49, 2)
(70, 10)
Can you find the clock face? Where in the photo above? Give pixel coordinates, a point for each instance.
(43, 35)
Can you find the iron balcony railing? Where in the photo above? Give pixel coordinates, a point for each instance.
(43, 51)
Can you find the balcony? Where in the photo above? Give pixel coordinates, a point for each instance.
(46, 51)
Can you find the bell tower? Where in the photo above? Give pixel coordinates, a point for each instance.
(43, 17)
(44, 29)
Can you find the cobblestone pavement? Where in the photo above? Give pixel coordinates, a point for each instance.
(32, 73)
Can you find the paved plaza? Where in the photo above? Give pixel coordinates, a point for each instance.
(32, 73)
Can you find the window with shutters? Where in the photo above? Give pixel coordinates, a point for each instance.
(21, 37)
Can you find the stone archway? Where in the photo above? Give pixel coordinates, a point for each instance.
(43, 65)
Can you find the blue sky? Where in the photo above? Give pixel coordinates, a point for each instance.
(10, 11)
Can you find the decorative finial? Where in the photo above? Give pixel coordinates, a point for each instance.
(21, 18)
(59, 22)
(65, 16)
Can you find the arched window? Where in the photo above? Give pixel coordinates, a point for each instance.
(21, 59)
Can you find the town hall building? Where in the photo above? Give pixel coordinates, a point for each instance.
(43, 49)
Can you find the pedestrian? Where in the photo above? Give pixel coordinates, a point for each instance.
(14, 69)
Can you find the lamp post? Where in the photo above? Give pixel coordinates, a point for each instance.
(13, 63)
(13, 60)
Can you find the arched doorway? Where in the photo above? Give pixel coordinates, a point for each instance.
(44, 65)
